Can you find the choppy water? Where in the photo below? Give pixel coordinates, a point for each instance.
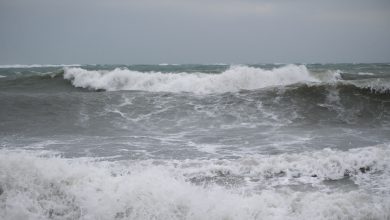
(195, 141)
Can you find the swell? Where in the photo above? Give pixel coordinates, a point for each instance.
(299, 103)
(31, 82)
(233, 79)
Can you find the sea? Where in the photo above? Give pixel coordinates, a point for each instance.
(218, 141)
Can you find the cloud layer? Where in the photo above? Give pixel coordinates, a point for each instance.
(193, 31)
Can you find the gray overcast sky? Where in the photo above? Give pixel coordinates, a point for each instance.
(193, 31)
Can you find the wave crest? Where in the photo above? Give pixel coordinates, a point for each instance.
(234, 79)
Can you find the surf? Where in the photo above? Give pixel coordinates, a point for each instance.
(234, 79)
(48, 186)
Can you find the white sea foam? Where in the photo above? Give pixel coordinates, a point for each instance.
(365, 74)
(38, 65)
(375, 85)
(234, 79)
(299, 167)
(36, 187)
(1, 76)
(168, 64)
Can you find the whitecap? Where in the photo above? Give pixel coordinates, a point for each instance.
(234, 79)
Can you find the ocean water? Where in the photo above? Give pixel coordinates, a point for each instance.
(270, 141)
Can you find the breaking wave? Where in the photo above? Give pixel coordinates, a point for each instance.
(234, 79)
(33, 186)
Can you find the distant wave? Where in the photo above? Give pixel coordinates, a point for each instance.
(234, 79)
(168, 64)
(365, 74)
(38, 65)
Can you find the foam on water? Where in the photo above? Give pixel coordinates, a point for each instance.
(168, 64)
(234, 79)
(375, 85)
(365, 74)
(46, 187)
